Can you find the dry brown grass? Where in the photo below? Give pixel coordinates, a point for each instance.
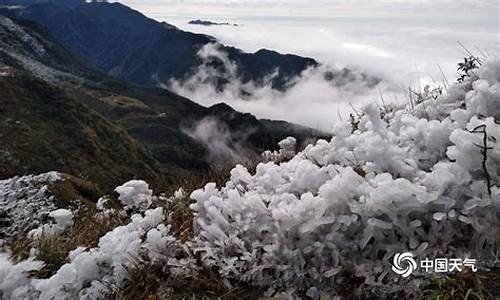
(66, 191)
(182, 220)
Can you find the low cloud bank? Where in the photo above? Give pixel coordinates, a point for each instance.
(317, 98)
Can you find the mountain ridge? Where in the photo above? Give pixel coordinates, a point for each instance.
(37, 69)
(130, 46)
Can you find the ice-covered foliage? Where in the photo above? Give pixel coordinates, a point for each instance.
(25, 202)
(135, 194)
(88, 271)
(425, 181)
(287, 150)
(14, 280)
(63, 219)
(102, 203)
(91, 273)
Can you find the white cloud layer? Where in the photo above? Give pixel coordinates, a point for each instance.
(480, 3)
(312, 101)
(310, 7)
(405, 42)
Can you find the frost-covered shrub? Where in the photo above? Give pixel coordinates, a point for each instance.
(14, 278)
(92, 273)
(419, 182)
(63, 219)
(287, 150)
(135, 194)
(88, 271)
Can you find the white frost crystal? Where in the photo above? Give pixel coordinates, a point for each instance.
(287, 150)
(14, 278)
(104, 265)
(63, 220)
(135, 194)
(90, 273)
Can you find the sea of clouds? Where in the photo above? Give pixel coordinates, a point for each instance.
(405, 43)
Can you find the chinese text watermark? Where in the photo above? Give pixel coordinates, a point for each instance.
(405, 264)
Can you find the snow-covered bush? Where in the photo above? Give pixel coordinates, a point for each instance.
(425, 182)
(14, 280)
(287, 151)
(88, 271)
(135, 194)
(91, 273)
(63, 220)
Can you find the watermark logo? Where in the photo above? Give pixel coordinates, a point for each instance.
(405, 264)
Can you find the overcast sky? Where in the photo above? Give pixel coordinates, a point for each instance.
(312, 7)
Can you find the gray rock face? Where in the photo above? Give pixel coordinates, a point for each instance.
(25, 202)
